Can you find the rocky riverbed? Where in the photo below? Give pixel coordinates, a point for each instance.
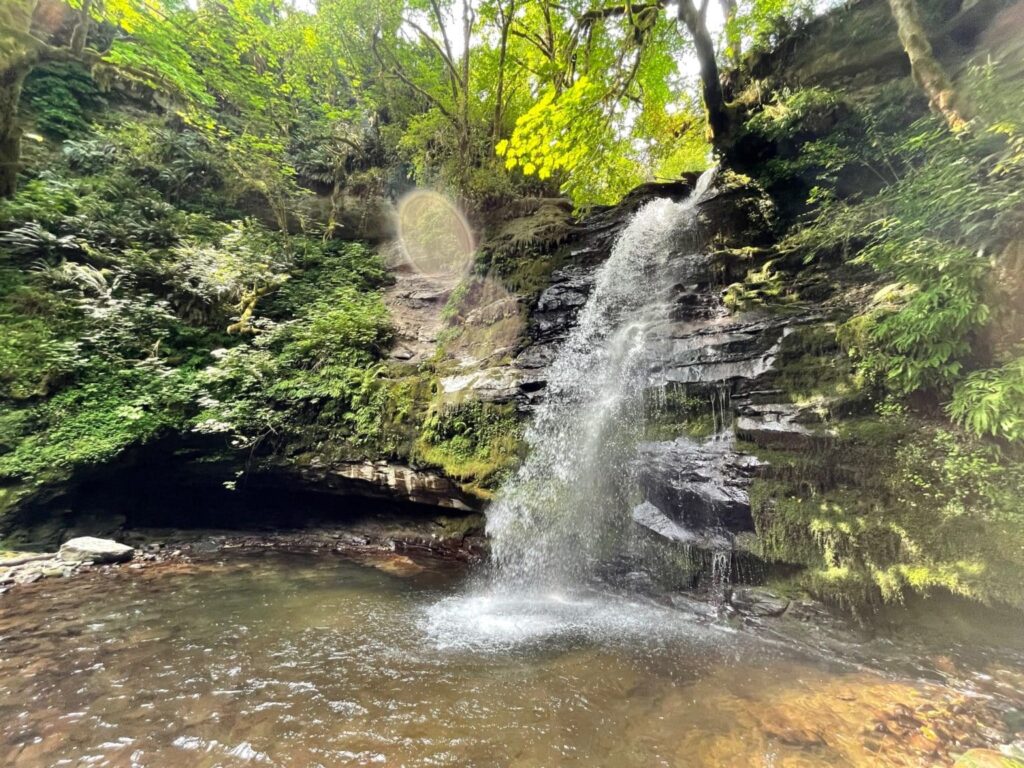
(383, 538)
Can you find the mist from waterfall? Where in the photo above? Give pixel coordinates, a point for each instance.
(563, 512)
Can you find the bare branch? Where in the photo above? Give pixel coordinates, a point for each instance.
(396, 71)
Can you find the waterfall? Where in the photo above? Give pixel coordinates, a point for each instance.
(564, 511)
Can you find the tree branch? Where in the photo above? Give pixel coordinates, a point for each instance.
(591, 17)
(396, 71)
(439, 17)
(453, 74)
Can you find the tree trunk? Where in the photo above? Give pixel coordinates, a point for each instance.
(499, 92)
(714, 97)
(11, 81)
(927, 71)
(732, 37)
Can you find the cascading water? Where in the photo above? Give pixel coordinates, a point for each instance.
(565, 511)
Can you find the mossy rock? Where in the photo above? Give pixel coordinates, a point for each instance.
(475, 443)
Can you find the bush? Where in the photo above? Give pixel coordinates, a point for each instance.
(931, 234)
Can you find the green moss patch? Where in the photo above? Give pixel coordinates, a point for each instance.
(893, 506)
(475, 443)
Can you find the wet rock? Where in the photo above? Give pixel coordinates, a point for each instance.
(714, 351)
(656, 521)
(92, 550)
(779, 425)
(385, 479)
(702, 483)
(757, 601)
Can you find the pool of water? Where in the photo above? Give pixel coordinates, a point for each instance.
(299, 660)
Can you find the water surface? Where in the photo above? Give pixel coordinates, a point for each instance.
(301, 660)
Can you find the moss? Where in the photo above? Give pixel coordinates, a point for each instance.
(483, 322)
(893, 506)
(812, 367)
(475, 443)
(762, 288)
(524, 251)
(677, 409)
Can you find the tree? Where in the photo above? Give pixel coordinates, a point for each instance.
(718, 112)
(149, 51)
(925, 68)
(619, 109)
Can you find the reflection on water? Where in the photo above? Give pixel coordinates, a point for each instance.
(300, 661)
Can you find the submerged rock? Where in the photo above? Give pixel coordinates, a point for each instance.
(758, 602)
(93, 550)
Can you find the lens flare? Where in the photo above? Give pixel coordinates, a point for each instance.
(434, 235)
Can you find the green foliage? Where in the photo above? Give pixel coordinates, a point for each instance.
(568, 134)
(316, 375)
(62, 98)
(760, 287)
(793, 112)
(113, 299)
(991, 402)
(895, 505)
(823, 140)
(944, 205)
(91, 423)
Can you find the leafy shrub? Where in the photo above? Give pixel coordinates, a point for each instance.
(315, 370)
(991, 402)
(246, 261)
(474, 442)
(930, 233)
(90, 155)
(793, 112)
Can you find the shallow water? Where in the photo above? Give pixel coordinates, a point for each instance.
(299, 660)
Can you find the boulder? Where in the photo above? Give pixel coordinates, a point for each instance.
(92, 550)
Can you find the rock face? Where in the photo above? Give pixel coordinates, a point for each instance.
(93, 550)
(703, 483)
(703, 354)
(387, 480)
(757, 602)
